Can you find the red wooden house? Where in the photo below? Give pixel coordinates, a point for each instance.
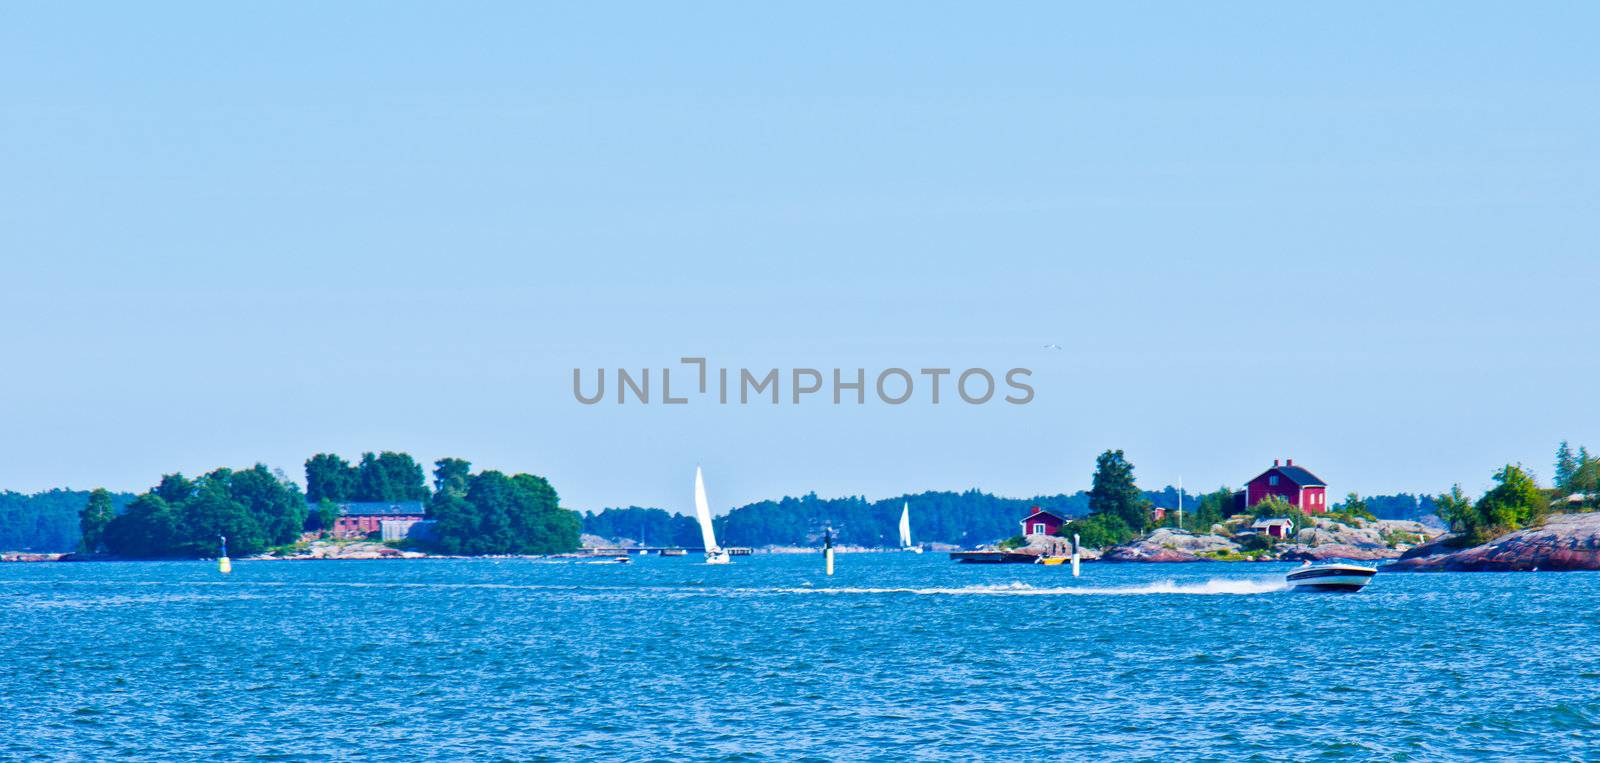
(358, 519)
(1041, 522)
(1302, 489)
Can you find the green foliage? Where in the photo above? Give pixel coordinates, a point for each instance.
(1585, 474)
(97, 512)
(1114, 492)
(1212, 509)
(389, 476)
(175, 488)
(1270, 507)
(323, 517)
(1514, 502)
(450, 475)
(1098, 531)
(1354, 507)
(1458, 513)
(1015, 541)
(147, 530)
(329, 478)
(255, 508)
(50, 521)
(1566, 467)
(650, 527)
(503, 515)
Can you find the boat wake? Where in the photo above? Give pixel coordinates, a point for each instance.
(1211, 587)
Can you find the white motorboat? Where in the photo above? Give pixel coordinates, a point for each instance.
(1330, 575)
(715, 554)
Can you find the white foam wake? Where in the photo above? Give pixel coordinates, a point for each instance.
(1211, 587)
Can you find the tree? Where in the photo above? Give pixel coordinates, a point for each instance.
(1514, 501)
(92, 521)
(1354, 506)
(1098, 530)
(1113, 491)
(323, 517)
(275, 503)
(372, 481)
(146, 530)
(174, 488)
(210, 515)
(390, 476)
(254, 508)
(503, 515)
(450, 475)
(1566, 467)
(1270, 507)
(1212, 509)
(1586, 477)
(329, 477)
(1458, 513)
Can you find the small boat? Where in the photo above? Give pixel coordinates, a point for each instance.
(905, 530)
(1052, 560)
(702, 513)
(1330, 575)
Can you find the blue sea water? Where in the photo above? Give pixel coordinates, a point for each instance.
(897, 656)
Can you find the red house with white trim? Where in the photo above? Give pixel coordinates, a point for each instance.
(1041, 522)
(1302, 489)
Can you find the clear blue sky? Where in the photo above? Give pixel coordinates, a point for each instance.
(1363, 236)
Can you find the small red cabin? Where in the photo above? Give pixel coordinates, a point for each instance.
(1302, 489)
(1041, 522)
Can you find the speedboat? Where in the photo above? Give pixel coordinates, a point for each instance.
(1330, 575)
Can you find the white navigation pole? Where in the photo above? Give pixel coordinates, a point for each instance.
(1074, 554)
(827, 550)
(1180, 502)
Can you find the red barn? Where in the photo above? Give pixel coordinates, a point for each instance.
(1294, 484)
(1041, 522)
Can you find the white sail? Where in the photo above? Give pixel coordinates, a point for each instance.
(702, 512)
(905, 526)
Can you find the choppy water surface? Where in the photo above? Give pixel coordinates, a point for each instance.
(896, 656)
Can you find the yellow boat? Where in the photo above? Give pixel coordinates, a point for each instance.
(1052, 560)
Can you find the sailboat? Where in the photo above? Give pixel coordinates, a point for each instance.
(905, 530)
(702, 512)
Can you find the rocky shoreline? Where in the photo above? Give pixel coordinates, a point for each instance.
(1565, 542)
(1325, 539)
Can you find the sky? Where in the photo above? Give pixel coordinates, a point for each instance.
(1362, 236)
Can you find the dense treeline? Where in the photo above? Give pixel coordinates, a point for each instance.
(48, 521)
(492, 513)
(647, 527)
(255, 508)
(1113, 511)
(386, 476)
(967, 518)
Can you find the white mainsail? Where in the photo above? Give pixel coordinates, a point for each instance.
(905, 526)
(702, 512)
